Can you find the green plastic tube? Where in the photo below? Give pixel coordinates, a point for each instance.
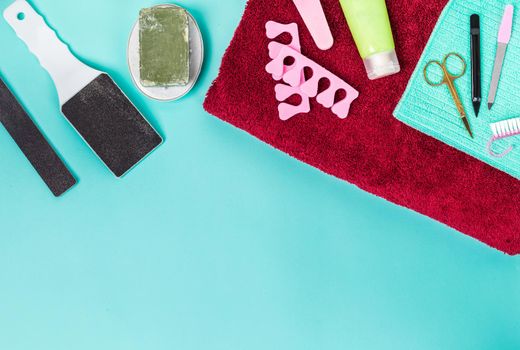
(370, 26)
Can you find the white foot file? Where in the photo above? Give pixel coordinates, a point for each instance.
(90, 100)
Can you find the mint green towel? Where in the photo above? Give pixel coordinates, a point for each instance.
(431, 109)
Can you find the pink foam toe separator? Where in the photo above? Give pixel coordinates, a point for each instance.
(310, 85)
(275, 29)
(294, 76)
(286, 110)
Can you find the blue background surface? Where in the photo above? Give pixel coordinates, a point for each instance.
(218, 241)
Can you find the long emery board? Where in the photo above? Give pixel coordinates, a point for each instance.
(33, 144)
(90, 100)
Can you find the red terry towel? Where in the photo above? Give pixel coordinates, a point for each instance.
(370, 149)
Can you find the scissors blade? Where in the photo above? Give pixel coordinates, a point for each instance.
(468, 127)
(497, 70)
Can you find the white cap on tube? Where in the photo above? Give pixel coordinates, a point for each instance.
(382, 64)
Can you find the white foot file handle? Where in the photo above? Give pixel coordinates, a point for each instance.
(69, 74)
(315, 20)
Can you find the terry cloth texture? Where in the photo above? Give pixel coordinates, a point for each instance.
(432, 111)
(370, 148)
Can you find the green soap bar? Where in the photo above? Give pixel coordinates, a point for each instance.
(164, 46)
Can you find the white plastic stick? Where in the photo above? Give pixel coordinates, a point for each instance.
(69, 74)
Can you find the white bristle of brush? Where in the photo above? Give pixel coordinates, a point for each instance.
(506, 127)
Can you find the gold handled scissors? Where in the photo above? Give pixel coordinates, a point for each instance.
(449, 80)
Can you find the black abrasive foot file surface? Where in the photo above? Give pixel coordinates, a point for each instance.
(111, 125)
(33, 144)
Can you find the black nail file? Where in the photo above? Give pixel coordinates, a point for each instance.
(33, 144)
(91, 101)
(111, 125)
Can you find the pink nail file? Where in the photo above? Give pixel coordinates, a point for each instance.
(285, 110)
(312, 13)
(293, 76)
(504, 35)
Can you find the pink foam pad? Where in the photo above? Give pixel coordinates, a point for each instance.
(293, 76)
(277, 68)
(275, 29)
(286, 110)
(283, 91)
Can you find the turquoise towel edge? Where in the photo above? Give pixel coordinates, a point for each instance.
(400, 110)
(435, 32)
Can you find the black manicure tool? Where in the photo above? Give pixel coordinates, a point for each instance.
(33, 144)
(476, 89)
